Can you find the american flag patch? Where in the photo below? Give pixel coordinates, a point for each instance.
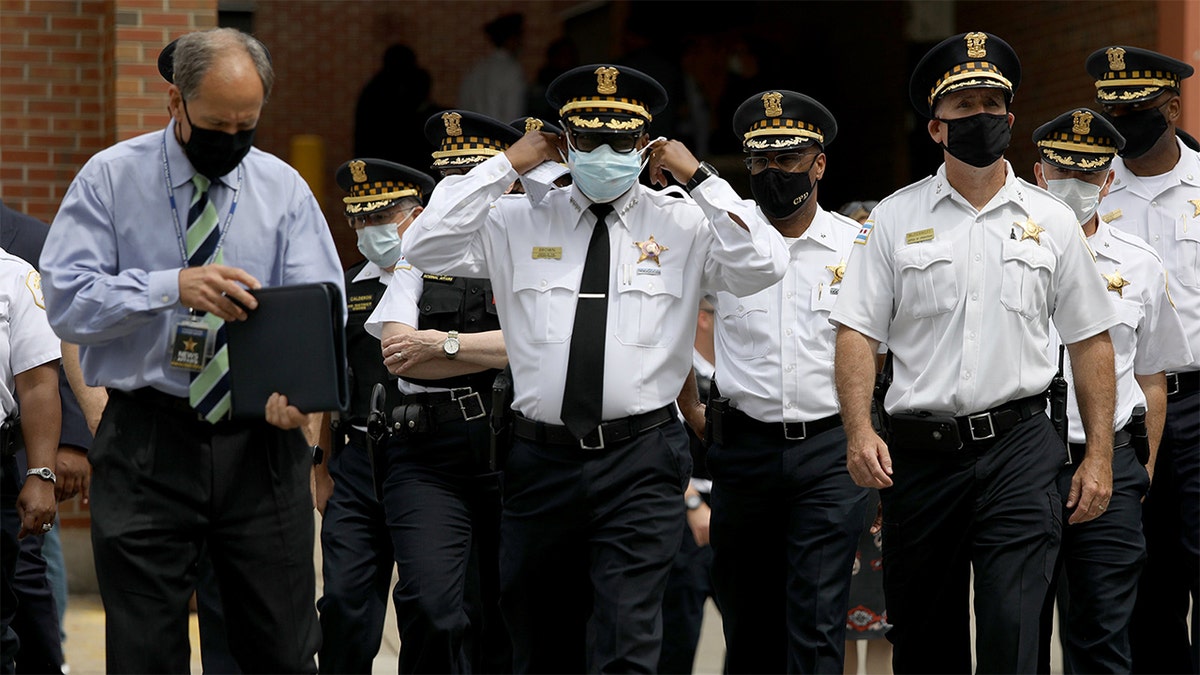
(865, 232)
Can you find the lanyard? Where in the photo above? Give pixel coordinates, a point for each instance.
(180, 228)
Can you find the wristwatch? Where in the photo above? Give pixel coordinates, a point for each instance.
(451, 346)
(693, 501)
(318, 455)
(43, 472)
(703, 173)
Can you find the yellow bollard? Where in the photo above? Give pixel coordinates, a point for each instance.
(308, 158)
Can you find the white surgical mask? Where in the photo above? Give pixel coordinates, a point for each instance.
(1083, 197)
(604, 174)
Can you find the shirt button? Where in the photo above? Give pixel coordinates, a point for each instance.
(650, 286)
(790, 368)
(166, 297)
(474, 290)
(790, 294)
(542, 284)
(971, 335)
(740, 308)
(788, 332)
(977, 257)
(966, 376)
(1153, 203)
(974, 296)
(791, 405)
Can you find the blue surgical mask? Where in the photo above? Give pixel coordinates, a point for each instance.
(380, 243)
(604, 174)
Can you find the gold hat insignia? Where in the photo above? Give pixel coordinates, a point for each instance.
(532, 124)
(1082, 122)
(1031, 230)
(651, 250)
(839, 271)
(1116, 58)
(358, 171)
(773, 103)
(606, 80)
(976, 45)
(1116, 283)
(452, 121)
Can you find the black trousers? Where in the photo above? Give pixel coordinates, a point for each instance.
(1100, 563)
(1171, 521)
(785, 526)
(588, 537)
(36, 620)
(10, 525)
(356, 566)
(443, 512)
(164, 485)
(994, 508)
(689, 585)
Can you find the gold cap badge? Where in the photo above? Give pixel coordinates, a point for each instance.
(772, 103)
(606, 80)
(452, 121)
(358, 171)
(976, 45)
(651, 250)
(1082, 122)
(532, 124)
(1116, 58)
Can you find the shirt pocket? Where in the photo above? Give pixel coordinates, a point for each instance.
(928, 284)
(1026, 278)
(746, 324)
(644, 305)
(1187, 241)
(543, 293)
(439, 303)
(819, 339)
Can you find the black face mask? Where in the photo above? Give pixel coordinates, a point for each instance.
(1141, 129)
(780, 194)
(978, 140)
(215, 153)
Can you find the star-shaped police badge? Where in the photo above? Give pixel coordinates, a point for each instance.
(651, 250)
(1116, 283)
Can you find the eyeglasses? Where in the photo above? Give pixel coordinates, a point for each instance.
(383, 217)
(585, 142)
(788, 162)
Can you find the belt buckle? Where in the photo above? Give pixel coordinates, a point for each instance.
(460, 392)
(1172, 384)
(599, 435)
(803, 431)
(475, 407)
(985, 417)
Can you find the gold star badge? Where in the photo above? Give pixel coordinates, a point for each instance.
(1196, 205)
(1031, 230)
(190, 344)
(1116, 283)
(651, 250)
(839, 271)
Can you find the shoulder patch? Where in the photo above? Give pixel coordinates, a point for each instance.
(864, 233)
(33, 281)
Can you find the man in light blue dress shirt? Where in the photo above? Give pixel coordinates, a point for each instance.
(124, 278)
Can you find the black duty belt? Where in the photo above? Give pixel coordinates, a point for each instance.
(358, 437)
(463, 404)
(1183, 383)
(614, 431)
(1076, 451)
(950, 433)
(737, 421)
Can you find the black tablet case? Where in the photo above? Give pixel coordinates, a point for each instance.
(294, 343)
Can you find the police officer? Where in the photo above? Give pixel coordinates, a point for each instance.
(597, 286)
(441, 335)
(382, 199)
(1102, 558)
(959, 274)
(1155, 194)
(786, 515)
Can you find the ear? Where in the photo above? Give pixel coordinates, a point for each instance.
(1011, 118)
(935, 128)
(643, 140)
(1107, 184)
(1041, 178)
(1174, 109)
(819, 166)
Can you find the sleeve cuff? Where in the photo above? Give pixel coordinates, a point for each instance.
(163, 288)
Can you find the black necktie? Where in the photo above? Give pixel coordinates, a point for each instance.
(583, 396)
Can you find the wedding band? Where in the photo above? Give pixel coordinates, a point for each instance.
(46, 527)
(1103, 506)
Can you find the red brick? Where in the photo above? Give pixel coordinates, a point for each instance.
(20, 55)
(26, 89)
(11, 172)
(11, 71)
(52, 107)
(25, 123)
(143, 70)
(50, 7)
(16, 21)
(74, 124)
(16, 156)
(144, 35)
(75, 90)
(50, 141)
(166, 19)
(75, 56)
(54, 72)
(140, 4)
(12, 104)
(195, 5)
(51, 40)
(72, 23)
(26, 190)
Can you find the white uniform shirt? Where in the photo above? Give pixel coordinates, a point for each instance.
(1167, 218)
(775, 348)
(964, 297)
(534, 255)
(400, 304)
(26, 340)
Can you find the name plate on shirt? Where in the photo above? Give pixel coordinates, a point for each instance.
(547, 253)
(919, 236)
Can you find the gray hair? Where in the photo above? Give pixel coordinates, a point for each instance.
(196, 52)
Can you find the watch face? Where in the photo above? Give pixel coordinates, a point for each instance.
(693, 501)
(451, 346)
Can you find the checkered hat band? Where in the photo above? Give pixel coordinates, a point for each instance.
(457, 144)
(362, 192)
(1077, 143)
(1127, 78)
(965, 74)
(606, 104)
